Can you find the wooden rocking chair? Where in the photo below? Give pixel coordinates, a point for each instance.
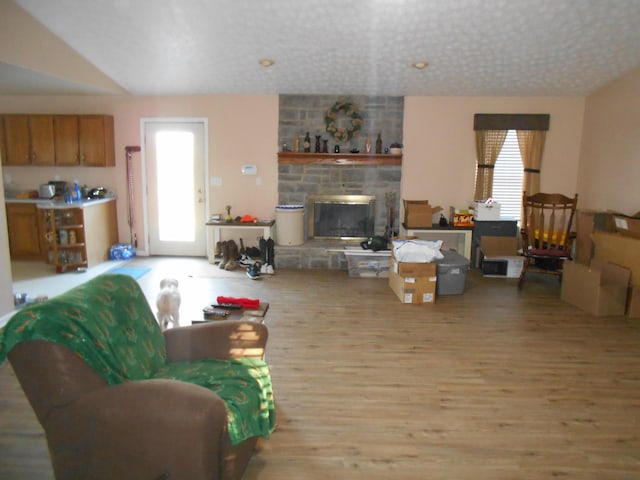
(546, 232)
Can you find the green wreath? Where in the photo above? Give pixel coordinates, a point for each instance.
(350, 109)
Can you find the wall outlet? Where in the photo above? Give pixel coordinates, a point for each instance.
(216, 181)
(258, 181)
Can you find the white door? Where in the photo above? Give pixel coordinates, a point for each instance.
(175, 174)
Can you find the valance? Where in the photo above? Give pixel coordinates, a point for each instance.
(509, 121)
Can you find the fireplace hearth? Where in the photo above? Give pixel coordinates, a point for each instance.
(341, 217)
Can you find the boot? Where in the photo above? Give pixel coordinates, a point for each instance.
(234, 254)
(224, 251)
(271, 253)
(262, 243)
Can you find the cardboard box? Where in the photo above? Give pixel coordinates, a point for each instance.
(461, 217)
(587, 222)
(414, 290)
(633, 303)
(411, 269)
(499, 257)
(629, 226)
(419, 214)
(599, 289)
(619, 249)
(487, 211)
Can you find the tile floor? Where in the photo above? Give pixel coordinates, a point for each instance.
(199, 281)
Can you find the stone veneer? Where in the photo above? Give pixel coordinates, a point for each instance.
(305, 113)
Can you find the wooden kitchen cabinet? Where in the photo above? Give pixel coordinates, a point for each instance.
(96, 140)
(25, 238)
(65, 128)
(86, 140)
(79, 237)
(29, 140)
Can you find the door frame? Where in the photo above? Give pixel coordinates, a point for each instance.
(143, 166)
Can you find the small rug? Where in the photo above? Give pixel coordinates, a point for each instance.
(134, 272)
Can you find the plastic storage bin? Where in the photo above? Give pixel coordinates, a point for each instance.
(290, 224)
(452, 273)
(366, 263)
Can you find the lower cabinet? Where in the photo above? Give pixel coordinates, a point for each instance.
(24, 233)
(78, 237)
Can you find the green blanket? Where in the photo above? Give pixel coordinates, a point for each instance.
(109, 323)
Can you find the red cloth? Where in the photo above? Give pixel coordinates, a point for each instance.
(245, 302)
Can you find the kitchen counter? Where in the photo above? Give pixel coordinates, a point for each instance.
(51, 203)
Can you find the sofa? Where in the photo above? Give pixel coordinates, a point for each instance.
(119, 398)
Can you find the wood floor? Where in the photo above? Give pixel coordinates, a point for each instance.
(493, 384)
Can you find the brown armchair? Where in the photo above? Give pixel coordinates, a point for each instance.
(148, 428)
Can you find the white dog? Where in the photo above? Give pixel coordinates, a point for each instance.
(168, 303)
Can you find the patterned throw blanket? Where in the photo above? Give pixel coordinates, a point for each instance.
(109, 323)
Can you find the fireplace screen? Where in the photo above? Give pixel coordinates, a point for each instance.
(341, 216)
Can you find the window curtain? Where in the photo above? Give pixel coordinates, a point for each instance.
(488, 146)
(491, 130)
(531, 145)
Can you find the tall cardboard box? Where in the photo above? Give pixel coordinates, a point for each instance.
(414, 289)
(619, 249)
(598, 289)
(419, 214)
(587, 222)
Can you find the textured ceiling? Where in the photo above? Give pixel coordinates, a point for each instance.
(474, 47)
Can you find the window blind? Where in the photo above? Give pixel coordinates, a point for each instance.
(507, 178)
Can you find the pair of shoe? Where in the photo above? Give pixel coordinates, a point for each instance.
(245, 261)
(267, 269)
(230, 254)
(253, 271)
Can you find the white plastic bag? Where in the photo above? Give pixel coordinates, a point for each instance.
(417, 251)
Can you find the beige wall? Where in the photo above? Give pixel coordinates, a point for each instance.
(609, 173)
(243, 129)
(439, 155)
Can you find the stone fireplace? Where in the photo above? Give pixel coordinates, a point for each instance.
(341, 217)
(305, 177)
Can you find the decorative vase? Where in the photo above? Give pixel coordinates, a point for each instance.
(367, 144)
(296, 143)
(379, 144)
(336, 149)
(325, 147)
(318, 143)
(307, 143)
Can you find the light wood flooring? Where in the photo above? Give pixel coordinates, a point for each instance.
(493, 384)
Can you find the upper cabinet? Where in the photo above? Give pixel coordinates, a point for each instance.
(96, 140)
(28, 140)
(63, 140)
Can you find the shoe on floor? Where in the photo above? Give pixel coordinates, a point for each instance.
(269, 270)
(245, 261)
(253, 271)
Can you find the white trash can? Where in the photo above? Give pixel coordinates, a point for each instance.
(290, 224)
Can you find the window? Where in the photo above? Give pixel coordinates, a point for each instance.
(507, 178)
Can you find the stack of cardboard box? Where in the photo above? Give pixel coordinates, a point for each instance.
(413, 282)
(604, 278)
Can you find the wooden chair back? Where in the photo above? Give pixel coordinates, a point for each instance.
(547, 221)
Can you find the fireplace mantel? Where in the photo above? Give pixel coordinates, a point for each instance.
(297, 158)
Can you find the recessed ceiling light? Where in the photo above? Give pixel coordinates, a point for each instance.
(266, 62)
(420, 65)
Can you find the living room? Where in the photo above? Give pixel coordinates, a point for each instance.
(591, 149)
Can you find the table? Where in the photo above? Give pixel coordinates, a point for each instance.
(250, 314)
(217, 227)
(462, 235)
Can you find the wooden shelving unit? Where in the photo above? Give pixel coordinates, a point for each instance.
(299, 158)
